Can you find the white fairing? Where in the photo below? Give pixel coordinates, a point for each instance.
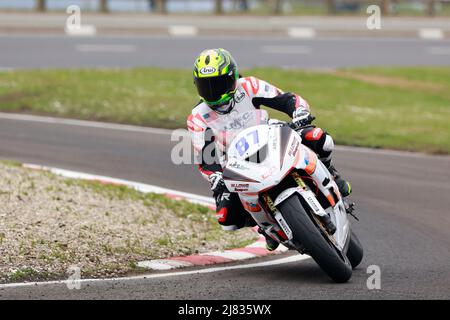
(259, 157)
(272, 166)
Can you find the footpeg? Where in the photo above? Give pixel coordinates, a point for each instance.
(350, 208)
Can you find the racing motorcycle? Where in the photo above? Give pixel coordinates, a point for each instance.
(288, 191)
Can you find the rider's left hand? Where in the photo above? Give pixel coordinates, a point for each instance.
(217, 183)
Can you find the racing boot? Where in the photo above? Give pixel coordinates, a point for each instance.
(271, 244)
(344, 186)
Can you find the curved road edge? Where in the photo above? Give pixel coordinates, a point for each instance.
(254, 250)
(401, 196)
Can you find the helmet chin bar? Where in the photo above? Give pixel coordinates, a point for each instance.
(226, 110)
(227, 107)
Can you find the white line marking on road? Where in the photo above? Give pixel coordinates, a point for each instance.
(150, 130)
(110, 48)
(286, 49)
(431, 33)
(163, 264)
(290, 259)
(259, 244)
(141, 187)
(81, 31)
(232, 255)
(303, 33)
(241, 38)
(439, 50)
(397, 153)
(83, 123)
(183, 31)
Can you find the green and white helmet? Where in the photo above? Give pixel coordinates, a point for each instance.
(215, 76)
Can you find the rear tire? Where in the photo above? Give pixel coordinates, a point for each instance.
(308, 234)
(355, 250)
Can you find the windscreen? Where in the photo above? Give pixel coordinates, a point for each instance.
(235, 122)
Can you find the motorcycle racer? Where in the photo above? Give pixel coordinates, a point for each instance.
(222, 91)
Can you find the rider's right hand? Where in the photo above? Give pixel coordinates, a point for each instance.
(217, 183)
(302, 117)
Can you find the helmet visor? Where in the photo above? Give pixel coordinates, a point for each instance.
(211, 89)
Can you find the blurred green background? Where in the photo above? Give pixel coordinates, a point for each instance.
(399, 108)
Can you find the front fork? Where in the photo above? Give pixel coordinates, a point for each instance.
(282, 235)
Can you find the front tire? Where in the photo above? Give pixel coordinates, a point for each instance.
(355, 250)
(309, 235)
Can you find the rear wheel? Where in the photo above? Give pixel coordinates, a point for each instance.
(305, 232)
(355, 250)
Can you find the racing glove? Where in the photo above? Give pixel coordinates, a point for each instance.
(302, 117)
(217, 183)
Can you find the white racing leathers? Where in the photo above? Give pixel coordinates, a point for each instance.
(212, 131)
(207, 126)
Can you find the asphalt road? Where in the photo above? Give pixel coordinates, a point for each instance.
(60, 51)
(402, 203)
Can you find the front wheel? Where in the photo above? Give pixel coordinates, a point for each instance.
(336, 266)
(355, 250)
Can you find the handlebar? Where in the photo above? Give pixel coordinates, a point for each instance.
(295, 126)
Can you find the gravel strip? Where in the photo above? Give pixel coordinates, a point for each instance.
(49, 223)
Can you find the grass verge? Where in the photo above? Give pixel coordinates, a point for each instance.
(397, 108)
(49, 224)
